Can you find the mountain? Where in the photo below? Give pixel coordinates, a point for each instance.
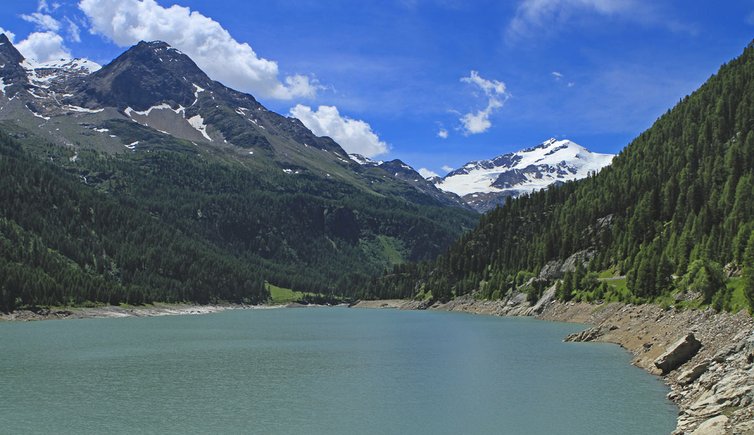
(485, 184)
(162, 89)
(673, 213)
(183, 168)
(401, 171)
(12, 75)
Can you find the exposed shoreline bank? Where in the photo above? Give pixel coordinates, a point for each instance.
(111, 312)
(156, 309)
(714, 389)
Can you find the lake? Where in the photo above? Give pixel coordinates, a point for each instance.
(321, 370)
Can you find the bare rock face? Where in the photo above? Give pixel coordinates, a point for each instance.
(547, 297)
(586, 335)
(713, 426)
(678, 353)
(555, 269)
(693, 373)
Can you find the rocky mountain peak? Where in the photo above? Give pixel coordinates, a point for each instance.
(147, 74)
(9, 53)
(12, 74)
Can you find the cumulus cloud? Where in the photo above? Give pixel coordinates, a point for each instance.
(127, 22)
(446, 168)
(43, 47)
(355, 136)
(495, 91)
(426, 173)
(442, 133)
(490, 87)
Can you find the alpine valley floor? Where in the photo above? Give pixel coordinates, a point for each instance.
(714, 389)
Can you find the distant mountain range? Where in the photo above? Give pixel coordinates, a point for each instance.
(485, 184)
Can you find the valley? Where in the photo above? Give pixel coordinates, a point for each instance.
(182, 173)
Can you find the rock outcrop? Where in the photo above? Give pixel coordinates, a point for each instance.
(677, 354)
(693, 373)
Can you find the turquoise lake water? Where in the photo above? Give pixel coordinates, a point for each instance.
(321, 370)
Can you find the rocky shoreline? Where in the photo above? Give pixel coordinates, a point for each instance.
(110, 311)
(712, 384)
(153, 310)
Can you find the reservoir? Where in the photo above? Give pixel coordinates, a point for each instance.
(321, 371)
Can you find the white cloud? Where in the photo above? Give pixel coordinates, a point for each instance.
(355, 136)
(442, 133)
(558, 76)
(426, 173)
(42, 21)
(127, 22)
(479, 122)
(446, 168)
(535, 15)
(496, 93)
(490, 87)
(74, 32)
(43, 47)
(534, 18)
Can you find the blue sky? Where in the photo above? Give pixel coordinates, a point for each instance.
(494, 76)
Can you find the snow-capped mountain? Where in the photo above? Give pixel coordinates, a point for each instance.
(484, 184)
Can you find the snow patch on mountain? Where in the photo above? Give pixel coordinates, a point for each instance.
(363, 160)
(41, 74)
(81, 109)
(197, 122)
(162, 106)
(79, 64)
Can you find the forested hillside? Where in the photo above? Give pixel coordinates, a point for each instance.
(64, 243)
(673, 209)
(170, 225)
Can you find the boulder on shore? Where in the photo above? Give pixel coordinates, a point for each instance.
(678, 353)
(693, 373)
